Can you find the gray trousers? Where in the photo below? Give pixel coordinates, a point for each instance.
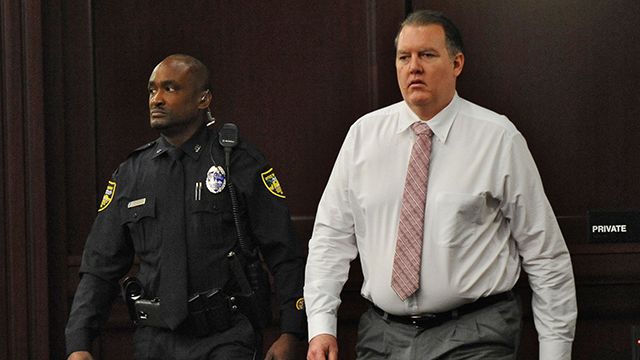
(240, 342)
(491, 333)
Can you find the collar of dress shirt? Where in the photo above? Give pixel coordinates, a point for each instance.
(439, 124)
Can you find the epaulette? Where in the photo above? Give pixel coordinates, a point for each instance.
(143, 147)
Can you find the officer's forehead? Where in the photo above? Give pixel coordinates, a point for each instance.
(171, 68)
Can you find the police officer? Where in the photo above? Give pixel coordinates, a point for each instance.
(169, 205)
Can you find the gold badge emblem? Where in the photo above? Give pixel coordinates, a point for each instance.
(108, 195)
(300, 304)
(271, 182)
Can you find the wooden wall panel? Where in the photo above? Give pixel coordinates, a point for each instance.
(56, 200)
(23, 234)
(70, 149)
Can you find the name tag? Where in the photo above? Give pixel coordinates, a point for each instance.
(135, 203)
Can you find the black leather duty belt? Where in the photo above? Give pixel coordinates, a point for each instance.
(427, 321)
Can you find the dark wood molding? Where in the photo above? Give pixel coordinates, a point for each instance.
(26, 322)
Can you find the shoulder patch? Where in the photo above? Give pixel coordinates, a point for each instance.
(272, 184)
(108, 195)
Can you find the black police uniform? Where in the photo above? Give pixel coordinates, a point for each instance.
(131, 222)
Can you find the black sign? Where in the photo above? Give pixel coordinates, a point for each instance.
(614, 226)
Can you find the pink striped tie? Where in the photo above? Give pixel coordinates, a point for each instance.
(405, 279)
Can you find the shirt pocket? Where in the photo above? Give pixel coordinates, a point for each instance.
(457, 217)
(208, 222)
(140, 218)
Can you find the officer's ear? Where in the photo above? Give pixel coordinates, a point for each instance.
(205, 99)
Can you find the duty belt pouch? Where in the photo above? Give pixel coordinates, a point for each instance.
(142, 311)
(148, 313)
(210, 311)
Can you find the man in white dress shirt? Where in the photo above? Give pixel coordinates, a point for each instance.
(486, 217)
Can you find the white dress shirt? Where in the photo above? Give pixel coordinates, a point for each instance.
(486, 217)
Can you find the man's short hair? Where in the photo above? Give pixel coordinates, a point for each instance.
(429, 17)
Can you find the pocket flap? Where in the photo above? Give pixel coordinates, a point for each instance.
(137, 209)
(205, 206)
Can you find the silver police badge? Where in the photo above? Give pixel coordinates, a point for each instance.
(216, 179)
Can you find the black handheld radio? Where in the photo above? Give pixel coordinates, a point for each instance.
(255, 300)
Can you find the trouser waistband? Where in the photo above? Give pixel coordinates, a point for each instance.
(435, 319)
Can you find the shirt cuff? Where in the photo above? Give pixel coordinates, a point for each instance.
(322, 324)
(294, 322)
(78, 341)
(557, 350)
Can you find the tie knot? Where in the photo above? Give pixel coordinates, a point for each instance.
(175, 153)
(421, 128)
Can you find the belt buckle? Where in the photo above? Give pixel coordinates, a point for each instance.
(418, 320)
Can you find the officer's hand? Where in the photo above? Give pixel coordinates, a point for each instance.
(323, 347)
(80, 355)
(286, 347)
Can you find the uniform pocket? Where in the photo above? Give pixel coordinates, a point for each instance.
(139, 216)
(207, 222)
(457, 217)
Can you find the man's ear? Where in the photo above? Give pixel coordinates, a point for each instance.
(205, 99)
(458, 63)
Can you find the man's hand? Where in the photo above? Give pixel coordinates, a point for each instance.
(286, 347)
(323, 347)
(80, 355)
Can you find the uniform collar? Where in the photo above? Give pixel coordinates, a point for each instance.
(196, 145)
(192, 147)
(439, 124)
